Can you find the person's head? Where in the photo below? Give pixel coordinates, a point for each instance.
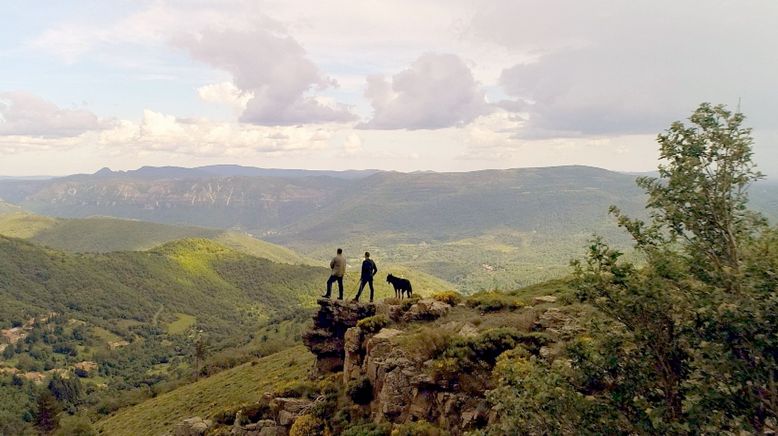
(367, 255)
(340, 251)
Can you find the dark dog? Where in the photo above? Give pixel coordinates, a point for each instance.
(400, 286)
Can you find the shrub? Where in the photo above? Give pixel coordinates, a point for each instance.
(360, 391)
(75, 426)
(449, 297)
(373, 324)
(493, 301)
(419, 428)
(306, 425)
(225, 417)
(371, 429)
(300, 389)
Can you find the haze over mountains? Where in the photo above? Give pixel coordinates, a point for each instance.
(523, 223)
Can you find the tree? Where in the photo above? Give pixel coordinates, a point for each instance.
(47, 416)
(687, 342)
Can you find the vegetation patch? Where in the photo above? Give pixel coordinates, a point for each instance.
(493, 301)
(182, 323)
(373, 324)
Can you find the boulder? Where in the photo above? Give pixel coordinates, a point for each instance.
(426, 310)
(192, 427)
(288, 409)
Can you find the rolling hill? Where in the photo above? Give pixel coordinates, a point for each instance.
(103, 234)
(478, 230)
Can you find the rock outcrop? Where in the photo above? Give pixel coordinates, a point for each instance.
(192, 427)
(330, 323)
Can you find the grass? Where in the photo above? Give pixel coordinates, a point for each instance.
(103, 234)
(181, 324)
(204, 398)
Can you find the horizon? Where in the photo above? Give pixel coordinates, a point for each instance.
(431, 86)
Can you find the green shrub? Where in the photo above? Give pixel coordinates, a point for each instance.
(419, 428)
(75, 426)
(371, 429)
(493, 301)
(306, 425)
(360, 391)
(373, 324)
(451, 298)
(225, 417)
(300, 389)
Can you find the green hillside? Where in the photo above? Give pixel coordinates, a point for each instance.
(102, 234)
(241, 385)
(223, 288)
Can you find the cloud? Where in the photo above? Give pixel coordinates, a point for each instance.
(158, 132)
(352, 144)
(437, 91)
(225, 93)
(271, 66)
(613, 67)
(24, 114)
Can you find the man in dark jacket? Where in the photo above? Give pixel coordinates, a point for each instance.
(368, 271)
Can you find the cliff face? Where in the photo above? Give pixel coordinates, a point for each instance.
(402, 388)
(327, 337)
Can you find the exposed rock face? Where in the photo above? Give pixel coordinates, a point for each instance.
(426, 310)
(403, 388)
(192, 427)
(327, 338)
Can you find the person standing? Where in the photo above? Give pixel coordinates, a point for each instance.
(369, 269)
(338, 266)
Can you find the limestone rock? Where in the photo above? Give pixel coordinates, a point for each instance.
(544, 299)
(426, 310)
(192, 427)
(330, 323)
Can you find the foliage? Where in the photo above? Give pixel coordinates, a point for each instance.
(75, 426)
(371, 429)
(476, 356)
(373, 324)
(451, 298)
(306, 425)
(360, 390)
(418, 428)
(493, 301)
(686, 344)
(47, 415)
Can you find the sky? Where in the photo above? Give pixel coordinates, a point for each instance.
(449, 85)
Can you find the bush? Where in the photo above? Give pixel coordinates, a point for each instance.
(371, 429)
(373, 324)
(419, 428)
(306, 425)
(493, 301)
(449, 297)
(75, 426)
(360, 391)
(225, 417)
(301, 389)
(425, 344)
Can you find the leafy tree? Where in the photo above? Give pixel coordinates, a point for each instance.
(686, 343)
(47, 417)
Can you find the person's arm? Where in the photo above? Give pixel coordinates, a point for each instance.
(375, 269)
(332, 263)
